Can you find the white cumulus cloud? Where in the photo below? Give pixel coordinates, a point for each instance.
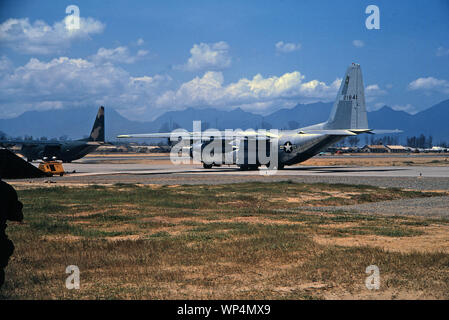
(5, 64)
(287, 47)
(40, 38)
(204, 56)
(373, 91)
(118, 55)
(430, 84)
(407, 108)
(65, 82)
(256, 94)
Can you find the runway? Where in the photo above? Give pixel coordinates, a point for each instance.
(88, 169)
(158, 169)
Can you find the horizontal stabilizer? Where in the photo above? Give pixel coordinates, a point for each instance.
(381, 131)
(347, 132)
(336, 132)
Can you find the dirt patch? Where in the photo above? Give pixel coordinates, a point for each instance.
(68, 238)
(435, 239)
(21, 185)
(132, 237)
(366, 294)
(304, 286)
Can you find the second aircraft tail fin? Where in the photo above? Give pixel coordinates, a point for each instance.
(97, 133)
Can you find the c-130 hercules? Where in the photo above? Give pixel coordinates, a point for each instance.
(348, 118)
(66, 151)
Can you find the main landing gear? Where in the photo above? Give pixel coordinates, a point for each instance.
(207, 165)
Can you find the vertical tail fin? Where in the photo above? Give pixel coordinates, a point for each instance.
(97, 133)
(349, 111)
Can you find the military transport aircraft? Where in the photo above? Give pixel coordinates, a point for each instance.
(348, 118)
(66, 151)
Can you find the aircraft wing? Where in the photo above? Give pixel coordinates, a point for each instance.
(30, 142)
(146, 135)
(264, 135)
(224, 135)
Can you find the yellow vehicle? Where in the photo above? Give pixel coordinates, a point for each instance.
(52, 167)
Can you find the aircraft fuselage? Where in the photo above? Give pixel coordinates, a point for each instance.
(297, 148)
(66, 151)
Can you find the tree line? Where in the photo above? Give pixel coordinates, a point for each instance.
(420, 141)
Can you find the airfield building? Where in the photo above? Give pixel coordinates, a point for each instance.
(396, 149)
(375, 149)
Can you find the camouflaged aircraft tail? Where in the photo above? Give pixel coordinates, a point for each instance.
(97, 133)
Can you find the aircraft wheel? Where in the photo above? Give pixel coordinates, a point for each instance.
(207, 166)
(278, 167)
(248, 167)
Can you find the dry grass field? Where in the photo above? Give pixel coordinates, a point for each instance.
(235, 241)
(383, 160)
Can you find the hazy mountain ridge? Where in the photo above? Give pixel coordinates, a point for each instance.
(78, 122)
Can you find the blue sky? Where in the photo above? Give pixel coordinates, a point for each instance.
(147, 57)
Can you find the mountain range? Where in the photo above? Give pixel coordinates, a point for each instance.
(77, 122)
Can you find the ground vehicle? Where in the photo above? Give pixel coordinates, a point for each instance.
(52, 167)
